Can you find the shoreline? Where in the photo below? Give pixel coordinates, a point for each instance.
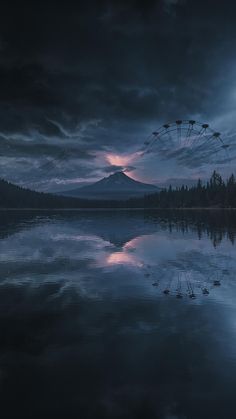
(119, 209)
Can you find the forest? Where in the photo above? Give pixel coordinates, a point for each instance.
(216, 193)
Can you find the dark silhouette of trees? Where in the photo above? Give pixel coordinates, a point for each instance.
(216, 193)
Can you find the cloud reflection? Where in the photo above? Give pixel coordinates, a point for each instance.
(122, 258)
(84, 252)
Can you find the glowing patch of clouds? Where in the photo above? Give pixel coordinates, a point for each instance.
(122, 159)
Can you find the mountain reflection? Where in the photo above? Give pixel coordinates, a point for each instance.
(121, 227)
(175, 255)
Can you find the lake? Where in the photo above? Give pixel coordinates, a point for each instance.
(124, 314)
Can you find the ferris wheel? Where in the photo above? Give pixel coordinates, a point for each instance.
(189, 142)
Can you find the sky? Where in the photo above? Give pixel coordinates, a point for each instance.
(83, 84)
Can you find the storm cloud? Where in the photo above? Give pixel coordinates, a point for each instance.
(100, 76)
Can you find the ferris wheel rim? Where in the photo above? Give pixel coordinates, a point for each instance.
(186, 125)
(190, 135)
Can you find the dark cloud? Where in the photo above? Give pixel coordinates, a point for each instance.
(106, 73)
(112, 169)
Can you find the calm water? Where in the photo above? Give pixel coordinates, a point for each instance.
(86, 330)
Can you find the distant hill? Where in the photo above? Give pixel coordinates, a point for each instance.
(216, 193)
(14, 196)
(117, 186)
(109, 192)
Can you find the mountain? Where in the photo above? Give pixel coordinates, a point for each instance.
(116, 186)
(14, 196)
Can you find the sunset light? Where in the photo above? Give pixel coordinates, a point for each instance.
(121, 160)
(122, 258)
(118, 160)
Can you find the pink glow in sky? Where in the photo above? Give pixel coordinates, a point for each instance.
(121, 159)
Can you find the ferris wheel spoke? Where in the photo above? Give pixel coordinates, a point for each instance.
(204, 129)
(179, 131)
(189, 142)
(61, 156)
(188, 133)
(155, 136)
(199, 135)
(146, 145)
(205, 142)
(169, 138)
(191, 124)
(211, 141)
(192, 137)
(47, 167)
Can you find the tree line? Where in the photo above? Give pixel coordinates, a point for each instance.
(216, 193)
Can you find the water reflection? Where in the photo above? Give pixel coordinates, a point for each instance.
(117, 315)
(169, 256)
